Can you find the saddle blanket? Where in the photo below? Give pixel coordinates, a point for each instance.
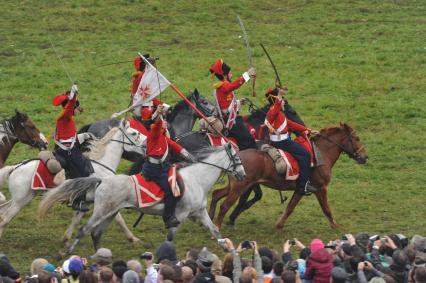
(292, 167)
(148, 193)
(218, 141)
(42, 178)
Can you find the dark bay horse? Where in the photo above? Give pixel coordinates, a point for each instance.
(260, 169)
(19, 128)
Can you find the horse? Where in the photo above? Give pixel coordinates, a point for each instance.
(260, 169)
(105, 155)
(19, 128)
(116, 192)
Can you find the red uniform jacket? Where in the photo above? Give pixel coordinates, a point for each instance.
(276, 118)
(138, 126)
(157, 144)
(65, 125)
(224, 92)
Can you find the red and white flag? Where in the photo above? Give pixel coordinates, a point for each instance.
(151, 85)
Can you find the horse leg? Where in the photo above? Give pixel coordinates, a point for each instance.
(100, 229)
(289, 209)
(216, 196)
(78, 215)
(12, 208)
(243, 206)
(129, 235)
(227, 204)
(323, 201)
(204, 217)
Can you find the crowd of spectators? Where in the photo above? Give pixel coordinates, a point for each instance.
(352, 259)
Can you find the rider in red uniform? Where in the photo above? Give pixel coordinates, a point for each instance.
(157, 166)
(143, 114)
(278, 126)
(67, 144)
(229, 105)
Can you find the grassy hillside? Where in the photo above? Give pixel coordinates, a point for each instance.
(362, 62)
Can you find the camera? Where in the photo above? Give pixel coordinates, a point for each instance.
(246, 244)
(292, 242)
(332, 245)
(374, 238)
(146, 256)
(221, 241)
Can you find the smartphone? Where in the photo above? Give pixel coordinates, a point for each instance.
(246, 244)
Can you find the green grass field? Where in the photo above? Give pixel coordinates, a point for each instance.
(362, 62)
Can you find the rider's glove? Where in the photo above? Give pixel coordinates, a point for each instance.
(74, 90)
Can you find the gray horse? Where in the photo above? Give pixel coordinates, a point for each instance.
(116, 192)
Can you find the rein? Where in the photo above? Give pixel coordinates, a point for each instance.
(354, 154)
(103, 165)
(232, 164)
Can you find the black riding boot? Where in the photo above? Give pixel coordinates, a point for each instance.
(79, 204)
(169, 217)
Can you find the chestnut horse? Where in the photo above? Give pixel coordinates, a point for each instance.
(260, 169)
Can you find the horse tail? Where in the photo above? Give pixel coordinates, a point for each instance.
(4, 174)
(67, 191)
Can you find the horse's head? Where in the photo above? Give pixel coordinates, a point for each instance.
(133, 141)
(352, 144)
(26, 132)
(236, 166)
(202, 103)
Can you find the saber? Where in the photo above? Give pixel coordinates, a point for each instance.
(277, 77)
(249, 54)
(60, 60)
(121, 62)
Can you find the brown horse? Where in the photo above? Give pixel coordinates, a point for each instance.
(19, 128)
(260, 169)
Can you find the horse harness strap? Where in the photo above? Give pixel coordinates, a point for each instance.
(103, 165)
(353, 155)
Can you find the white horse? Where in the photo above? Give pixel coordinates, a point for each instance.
(116, 192)
(105, 155)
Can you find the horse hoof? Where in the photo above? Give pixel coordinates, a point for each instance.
(336, 226)
(60, 255)
(231, 222)
(279, 226)
(135, 240)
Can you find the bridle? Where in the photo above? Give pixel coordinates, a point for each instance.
(10, 131)
(353, 153)
(232, 166)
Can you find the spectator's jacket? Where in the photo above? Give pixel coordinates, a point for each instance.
(257, 264)
(318, 266)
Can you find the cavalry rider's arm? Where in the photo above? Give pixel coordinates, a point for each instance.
(295, 127)
(68, 110)
(156, 129)
(230, 86)
(175, 147)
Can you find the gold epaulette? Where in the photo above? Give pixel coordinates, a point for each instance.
(218, 84)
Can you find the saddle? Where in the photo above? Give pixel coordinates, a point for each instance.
(148, 193)
(286, 164)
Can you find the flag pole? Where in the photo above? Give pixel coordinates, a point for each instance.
(175, 89)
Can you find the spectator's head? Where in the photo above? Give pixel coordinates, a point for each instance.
(276, 280)
(305, 253)
(228, 265)
(37, 265)
(103, 256)
(216, 268)
(44, 277)
(86, 276)
(167, 272)
(251, 271)
(389, 279)
(419, 243)
(75, 266)
(66, 267)
(166, 250)
(288, 276)
(134, 265)
(411, 253)
(278, 268)
(187, 274)
(192, 254)
(48, 267)
(130, 276)
(399, 259)
(246, 278)
(420, 275)
(338, 275)
(205, 260)
(204, 278)
(377, 280)
(192, 265)
(106, 275)
(264, 251)
(119, 267)
(363, 241)
(266, 264)
(316, 244)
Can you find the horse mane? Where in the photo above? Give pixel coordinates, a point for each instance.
(201, 154)
(332, 130)
(97, 147)
(177, 108)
